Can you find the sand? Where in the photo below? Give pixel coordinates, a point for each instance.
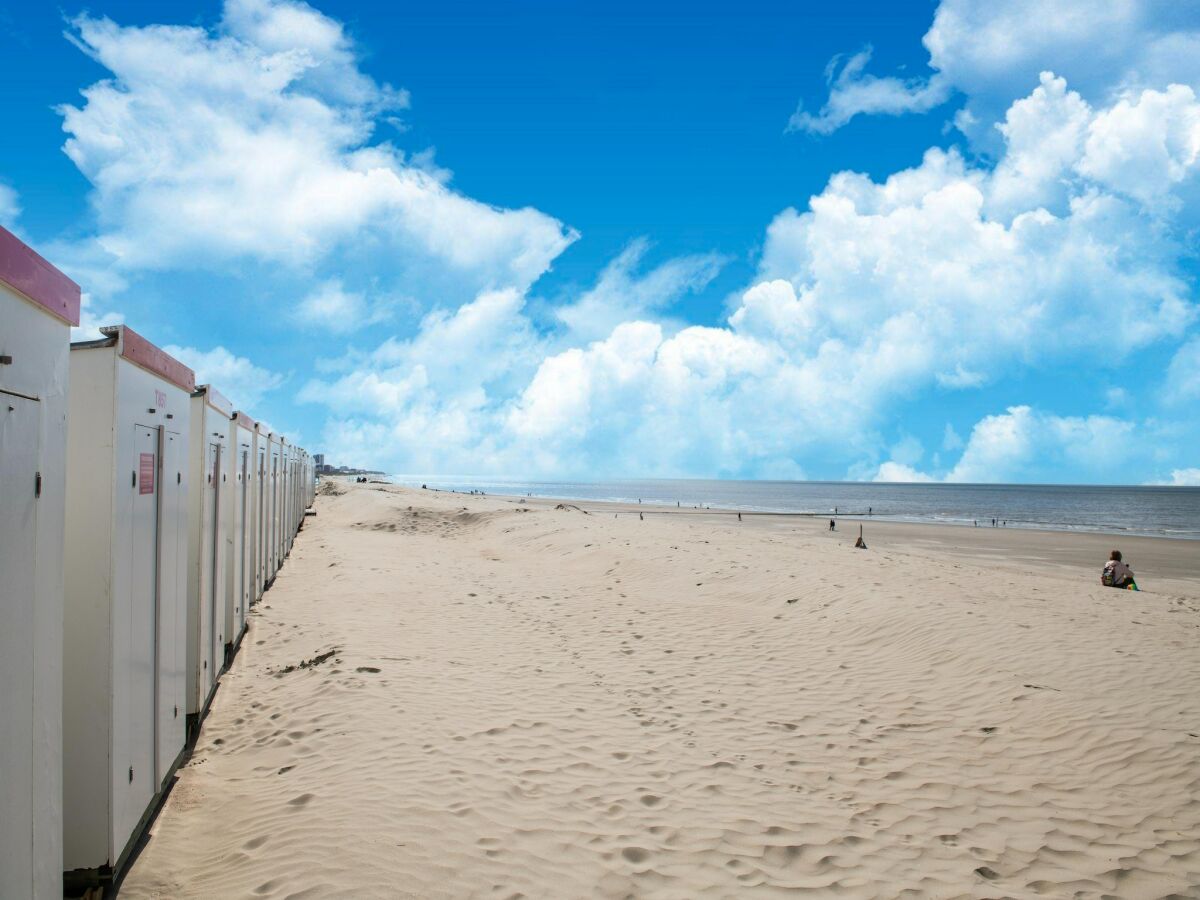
(506, 700)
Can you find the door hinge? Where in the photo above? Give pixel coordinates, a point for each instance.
(133, 479)
(131, 774)
(37, 484)
(177, 711)
(179, 478)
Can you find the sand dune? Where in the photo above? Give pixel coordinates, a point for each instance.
(452, 696)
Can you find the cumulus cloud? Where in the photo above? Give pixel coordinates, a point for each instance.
(922, 272)
(992, 53)
(899, 473)
(1024, 444)
(333, 308)
(255, 140)
(1185, 478)
(244, 383)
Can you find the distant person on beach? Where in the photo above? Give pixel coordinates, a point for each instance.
(1117, 573)
(832, 525)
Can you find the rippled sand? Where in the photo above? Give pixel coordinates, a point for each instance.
(530, 701)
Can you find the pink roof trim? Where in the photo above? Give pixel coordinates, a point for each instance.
(24, 270)
(140, 351)
(217, 400)
(244, 420)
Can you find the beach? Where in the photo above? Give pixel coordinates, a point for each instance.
(449, 695)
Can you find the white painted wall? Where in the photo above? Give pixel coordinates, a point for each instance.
(209, 445)
(33, 410)
(239, 531)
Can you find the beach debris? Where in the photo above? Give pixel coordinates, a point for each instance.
(570, 506)
(310, 663)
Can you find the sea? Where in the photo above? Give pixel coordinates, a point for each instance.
(1172, 512)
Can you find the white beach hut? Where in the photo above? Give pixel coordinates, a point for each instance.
(125, 598)
(239, 530)
(209, 447)
(38, 306)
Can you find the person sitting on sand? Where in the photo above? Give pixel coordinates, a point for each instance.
(1117, 573)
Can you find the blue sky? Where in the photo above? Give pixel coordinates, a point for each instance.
(950, 240)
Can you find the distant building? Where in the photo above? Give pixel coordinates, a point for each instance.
(323, 468)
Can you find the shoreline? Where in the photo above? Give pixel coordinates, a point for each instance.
(856, 515)
(1157, 555)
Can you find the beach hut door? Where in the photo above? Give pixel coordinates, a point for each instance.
(216, 621)
(260, 520)
(172, 559)
(19, 444)
(243, 578)
(135, 769)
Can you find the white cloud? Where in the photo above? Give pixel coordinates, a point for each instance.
(244, 383)
(1023, 444)
(10, 206)
(621, 294)
(917, 271)
(900, 473)
(1183, 375)
(773, 309)
(852, 92)
(992, 53)
(91, 319)
(331, 307)
(1145, 144)
(1185, 477)
(254, 141)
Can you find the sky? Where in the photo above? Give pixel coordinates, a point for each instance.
(920, 241)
